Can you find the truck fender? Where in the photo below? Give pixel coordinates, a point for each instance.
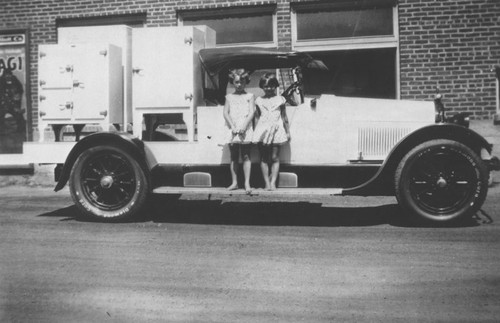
(382, 183)
(119, 139)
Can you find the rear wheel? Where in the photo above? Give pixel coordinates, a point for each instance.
(441, 181)
(108, 184)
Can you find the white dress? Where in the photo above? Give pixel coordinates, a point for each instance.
(270, 129)
(239, 110)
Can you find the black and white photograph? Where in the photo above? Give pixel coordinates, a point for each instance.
(250, 161)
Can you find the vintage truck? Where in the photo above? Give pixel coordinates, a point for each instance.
(164, 88)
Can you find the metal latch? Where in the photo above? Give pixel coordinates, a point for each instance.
(66, 69)
(137, 70)
(77, 83)
(67, 105)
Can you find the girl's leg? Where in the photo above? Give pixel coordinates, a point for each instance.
(247, 165)
(275, 167)
(264, 164)
(235, 156)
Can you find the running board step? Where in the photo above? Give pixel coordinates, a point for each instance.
(203, 179)
(288, 180)
(255, 192)
(197, 179)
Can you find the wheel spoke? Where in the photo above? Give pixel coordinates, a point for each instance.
(127, 182)
(99, 195)
(112, 197)
(124, 174)
(95, 170)
(460, 189)
(119, 164)
(428, 167)
(101, 165)
(124, 193)
(94, 187)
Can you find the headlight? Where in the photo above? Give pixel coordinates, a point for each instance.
(461, 118)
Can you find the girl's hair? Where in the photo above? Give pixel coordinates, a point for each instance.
(268, 79)
(243, 74)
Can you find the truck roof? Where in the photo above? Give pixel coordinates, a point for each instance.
(215, 60)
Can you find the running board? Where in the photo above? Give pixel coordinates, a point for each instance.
(221, 191)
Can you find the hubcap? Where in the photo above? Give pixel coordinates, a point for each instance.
(441, 182)
(106, 181)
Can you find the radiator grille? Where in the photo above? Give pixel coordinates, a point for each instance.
(377, 142)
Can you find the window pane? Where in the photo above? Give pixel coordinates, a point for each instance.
(132, 20)
(344, 23)
(363, 73)
(242, 29)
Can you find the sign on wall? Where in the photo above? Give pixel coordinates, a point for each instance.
(13, 91)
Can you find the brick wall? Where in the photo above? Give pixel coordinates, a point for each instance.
(450, 45)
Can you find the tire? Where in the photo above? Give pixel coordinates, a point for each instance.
(108, 184)
(441, 182)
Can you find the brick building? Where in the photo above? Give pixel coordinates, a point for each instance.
(404, 49)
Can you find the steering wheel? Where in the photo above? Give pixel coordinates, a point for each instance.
(288, 93)
(289, 90)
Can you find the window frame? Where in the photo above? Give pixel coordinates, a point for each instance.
(348, 43)
(234, 12)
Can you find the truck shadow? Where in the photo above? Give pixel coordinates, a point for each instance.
(282, 214)
(268, 214)
(271, 214)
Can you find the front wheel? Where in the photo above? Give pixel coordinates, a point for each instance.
(441, 181)
(108, 184)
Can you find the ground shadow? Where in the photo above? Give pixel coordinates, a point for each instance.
(216, 212)
(70, 213)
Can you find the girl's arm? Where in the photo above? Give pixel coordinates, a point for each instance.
(284, 117)
(257, 115)
(251, 114)
(228, 119)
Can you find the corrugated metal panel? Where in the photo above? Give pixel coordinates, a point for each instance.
(378, 142)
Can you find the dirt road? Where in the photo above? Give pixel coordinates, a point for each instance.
(348, 260)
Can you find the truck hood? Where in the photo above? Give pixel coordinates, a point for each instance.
(375, 111)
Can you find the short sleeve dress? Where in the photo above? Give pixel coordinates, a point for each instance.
(270, 129)
(239, 108)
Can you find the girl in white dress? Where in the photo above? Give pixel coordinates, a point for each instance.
(271, 130)
(239, 111)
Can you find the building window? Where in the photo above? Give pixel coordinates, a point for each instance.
(132, 20)
(316, 24)
(236, 25)
(349, 24)
(357, 40)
